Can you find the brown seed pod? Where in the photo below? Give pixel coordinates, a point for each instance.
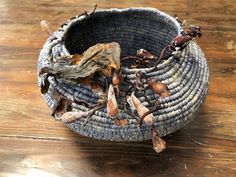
(136, 104)
(116, 78)
(159, 88)
(121, 122)
(73, 116)
(158, 143)
(180, 41)
(145, 54)
(112, 106)
(194, 31)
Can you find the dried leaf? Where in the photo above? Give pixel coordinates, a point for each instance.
(107, 56)
(159, 88)
(99, 58)
(112, 107)
(140, 108)
(158, 143)
(121, 122)
(76, 58)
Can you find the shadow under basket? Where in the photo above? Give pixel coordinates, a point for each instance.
(133, 28)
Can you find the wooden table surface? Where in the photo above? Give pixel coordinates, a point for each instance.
(33, 144)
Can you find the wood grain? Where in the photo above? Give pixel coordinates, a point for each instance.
(33, 144)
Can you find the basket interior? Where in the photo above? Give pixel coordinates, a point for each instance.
(132, 29)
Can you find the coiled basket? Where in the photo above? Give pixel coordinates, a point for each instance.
(134, 28)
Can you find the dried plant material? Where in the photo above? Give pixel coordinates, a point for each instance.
(158, 143)
(101, 58)
(194, 31)
(116, 81)
(112, 106)
(72, 116)
(76, 58)
(116, 78)
(181, 41)
(145, 54)
(152, 110)
(45, 26)
(44, 85)
(135, 104)
(61, 108)
(159, 88)
(105, 56)
(121, 122)
(138, 83)
(142, 59)
(178, 19)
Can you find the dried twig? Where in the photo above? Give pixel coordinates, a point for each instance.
(92, 112)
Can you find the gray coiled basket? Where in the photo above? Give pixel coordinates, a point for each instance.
(134, 28)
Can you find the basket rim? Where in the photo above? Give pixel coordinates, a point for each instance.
(73, 20)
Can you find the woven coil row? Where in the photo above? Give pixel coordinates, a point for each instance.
(186, 75)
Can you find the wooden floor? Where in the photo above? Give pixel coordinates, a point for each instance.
(33, 144)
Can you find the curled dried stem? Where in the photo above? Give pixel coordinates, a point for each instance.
(156, 107)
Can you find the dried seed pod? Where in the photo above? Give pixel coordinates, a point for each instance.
(72, 116)
(75, 115)
(159, 88)
(145, 54)
(45, 26)
(194, 31)
(135, 104)
(116, 79)
(158, 143)
(180, 41)
(112, 106)
(121, 122)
